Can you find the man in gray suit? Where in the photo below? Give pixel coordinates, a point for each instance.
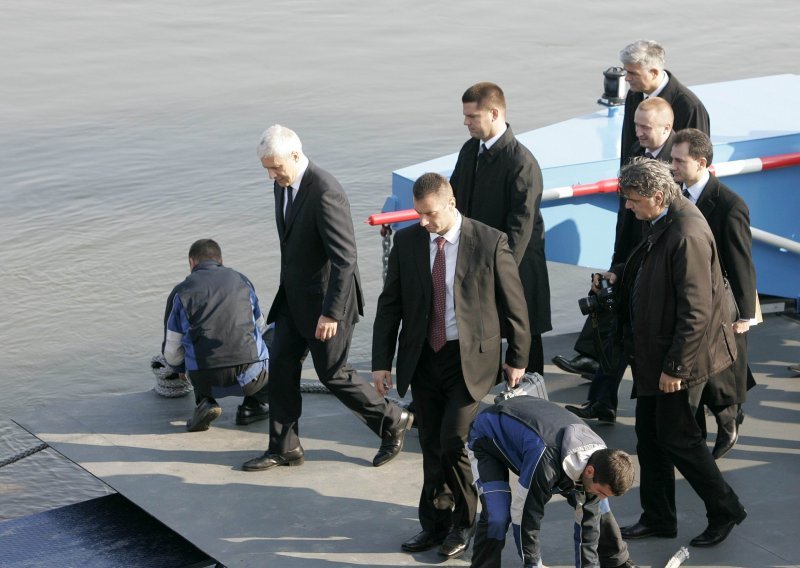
(453, 285)
(317, 304)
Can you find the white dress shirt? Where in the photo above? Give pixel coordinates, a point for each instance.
(295, 184)
(697, 189)
(450, 257)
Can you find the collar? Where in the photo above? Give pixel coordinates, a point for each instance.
(696, 189)
(661, 86)
(660, 216)
(453, 234)
(491, 141)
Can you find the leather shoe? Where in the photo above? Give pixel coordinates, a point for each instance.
(423, 541)
(641, 530)
(249, 414)
(456, 542)
(392, 440)
(598, 410)
(713, 535)
(581, 365)
(204, 414)
(270, 460)
(727, 436)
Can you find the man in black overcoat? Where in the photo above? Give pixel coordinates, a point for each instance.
(729, 218)
(497, 181)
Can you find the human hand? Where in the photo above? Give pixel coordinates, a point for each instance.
(741, 326)
(610, 276)
(668, 383)
(382, 381)
(326, 328)
(513, 376)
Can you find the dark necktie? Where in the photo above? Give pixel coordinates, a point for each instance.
(437, 336)
(687, 195)
(649, 155)
(289, 201)
(481, 157)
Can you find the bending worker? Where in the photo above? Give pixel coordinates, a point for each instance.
(551, 451)
(214, 329)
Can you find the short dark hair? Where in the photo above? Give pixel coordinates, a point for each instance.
(700, 145)
(431, 183)
(205, 249)
(613, 468)
(486, 94)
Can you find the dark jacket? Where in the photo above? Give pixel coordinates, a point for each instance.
(679, 324)
(487, 293)
(729, 218)
(319, 270)
(214, 309)
(505, 193)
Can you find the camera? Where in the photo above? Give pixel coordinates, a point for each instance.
(603, 300)
(532, 384)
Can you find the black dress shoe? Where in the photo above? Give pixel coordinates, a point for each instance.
(640, 530)
(204, 414)
(423, 541)
(456, 542)
(727, 436)
(392, 441)
(586, 367)
(594, 410)
(713, 535)
(270, 460)
(249, 414)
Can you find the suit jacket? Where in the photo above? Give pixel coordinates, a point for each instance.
(630, 231)
(681, 325)
(319, 273)
(729, 218)
(505, 192)
(689, 113)
(486, 289)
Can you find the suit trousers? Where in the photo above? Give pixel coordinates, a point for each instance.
(330, 362)
(445, 411)
(668, 437)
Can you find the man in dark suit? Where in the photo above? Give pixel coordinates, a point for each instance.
(646, 76)
(317, 304)
(677, 334)
(497, 181)
(729, 218)
(454, 286)
(654, 139)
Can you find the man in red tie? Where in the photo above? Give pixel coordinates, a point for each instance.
(453, 285)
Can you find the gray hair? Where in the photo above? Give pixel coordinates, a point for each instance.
(647, 53)
(278, 142)
(646, 176)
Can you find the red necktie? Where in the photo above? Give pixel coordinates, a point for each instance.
(437, 336)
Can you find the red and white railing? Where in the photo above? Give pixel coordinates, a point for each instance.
(735, 167)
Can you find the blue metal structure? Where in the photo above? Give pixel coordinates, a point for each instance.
(750, 118)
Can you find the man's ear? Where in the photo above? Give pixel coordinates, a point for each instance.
(589, 471)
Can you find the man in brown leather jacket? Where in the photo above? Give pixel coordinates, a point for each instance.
(676, 333)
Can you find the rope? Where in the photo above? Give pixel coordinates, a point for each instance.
(168, 383)
(23, 454)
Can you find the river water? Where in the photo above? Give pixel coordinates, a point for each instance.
(129, 130)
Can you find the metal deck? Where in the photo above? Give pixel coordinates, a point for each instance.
(337, 510)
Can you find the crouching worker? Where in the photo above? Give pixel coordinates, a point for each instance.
(213, 329)
(552, 451)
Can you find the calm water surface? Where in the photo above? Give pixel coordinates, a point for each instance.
(129, 131)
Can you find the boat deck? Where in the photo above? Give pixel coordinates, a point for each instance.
(337, 510)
